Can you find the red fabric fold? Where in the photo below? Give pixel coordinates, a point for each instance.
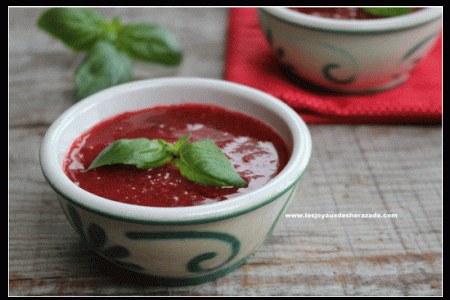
(250, 61)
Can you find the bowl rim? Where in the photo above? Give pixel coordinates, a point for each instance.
(372, 26)
(276, 187)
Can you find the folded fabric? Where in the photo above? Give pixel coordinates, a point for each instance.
(250, 61)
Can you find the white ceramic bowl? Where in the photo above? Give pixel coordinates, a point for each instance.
(350, 55)
(180, 245)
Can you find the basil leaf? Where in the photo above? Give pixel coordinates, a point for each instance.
(388, 11)
(78, 28)
(142, 153)
(103, 67)
(82, 29)
(149, 42)
(204, 162)
(201, 161)
(180, 143)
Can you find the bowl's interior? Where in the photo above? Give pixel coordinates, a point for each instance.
(149, 93)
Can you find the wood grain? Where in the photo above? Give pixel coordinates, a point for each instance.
(356, 169)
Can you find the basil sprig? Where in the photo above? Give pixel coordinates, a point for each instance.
(200, 161)
(388, 11)
(110, 45)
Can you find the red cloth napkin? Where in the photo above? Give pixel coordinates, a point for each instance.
(250, 61)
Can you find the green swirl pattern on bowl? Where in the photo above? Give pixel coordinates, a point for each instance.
(338, 66)
(337, 60)
(97, 238)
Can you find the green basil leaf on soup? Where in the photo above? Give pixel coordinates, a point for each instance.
(201, 161)
(142, 153)
(204, 162)
(388, 11)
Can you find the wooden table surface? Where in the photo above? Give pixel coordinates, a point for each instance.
(394, 170)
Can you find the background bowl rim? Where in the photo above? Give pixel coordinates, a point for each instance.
(404, 22)
(229, 208)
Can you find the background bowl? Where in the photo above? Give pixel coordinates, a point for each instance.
(180, 245)
(350, 55)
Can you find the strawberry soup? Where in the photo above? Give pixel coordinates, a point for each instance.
(255, 150)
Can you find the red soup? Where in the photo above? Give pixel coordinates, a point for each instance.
(256, 151)
(347, 13)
